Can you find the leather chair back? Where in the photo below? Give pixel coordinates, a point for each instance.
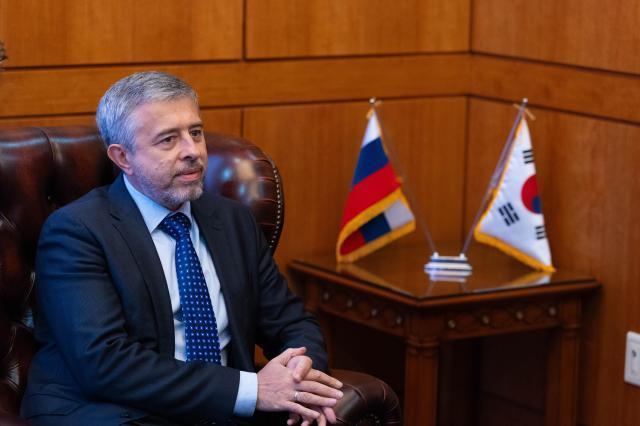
(42, 169)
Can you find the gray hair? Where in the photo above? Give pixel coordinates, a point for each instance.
(117, 104)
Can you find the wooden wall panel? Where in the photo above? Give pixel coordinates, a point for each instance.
(590, 33)
(309, 113)
(47, 121)
(71, 32)
(285, 28)
(585, 91)
(316, 147)
(428, 139)
(77, 90)
(215, 120)
(224, 120)
(589, 187)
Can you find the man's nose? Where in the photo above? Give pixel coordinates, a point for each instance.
(188, 147)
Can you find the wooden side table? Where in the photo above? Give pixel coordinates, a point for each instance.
(388, 291)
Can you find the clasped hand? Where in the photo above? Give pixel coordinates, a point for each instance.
(289, 383)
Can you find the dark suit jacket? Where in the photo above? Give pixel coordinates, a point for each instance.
(105, 324)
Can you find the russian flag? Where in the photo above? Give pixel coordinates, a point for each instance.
(376, 211)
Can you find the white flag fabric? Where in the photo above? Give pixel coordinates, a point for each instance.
(513, 221)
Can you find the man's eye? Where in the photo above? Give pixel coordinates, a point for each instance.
(196, 133)
(167, 140)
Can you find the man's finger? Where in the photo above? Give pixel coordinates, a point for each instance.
(302, 368)
(286, 355)
(318, 389)
(307, 398)
(293, 419)
(303, 411)
(322, 421)
(319, 376)
(329, 414)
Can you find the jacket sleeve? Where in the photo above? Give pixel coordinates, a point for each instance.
(282, 320)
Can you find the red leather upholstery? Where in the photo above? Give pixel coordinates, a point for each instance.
(44, 168)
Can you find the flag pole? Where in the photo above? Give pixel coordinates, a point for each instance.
(407, 190)
(496, 173)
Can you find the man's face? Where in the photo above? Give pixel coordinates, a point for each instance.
(170, 154)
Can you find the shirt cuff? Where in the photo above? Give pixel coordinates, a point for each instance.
(247, 395)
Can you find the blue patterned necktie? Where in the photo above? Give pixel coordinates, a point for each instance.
(201, 330)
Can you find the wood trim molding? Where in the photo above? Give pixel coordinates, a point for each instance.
(610, 95)
(572, 89)
(77, 90)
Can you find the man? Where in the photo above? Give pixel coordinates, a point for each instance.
(151, 295)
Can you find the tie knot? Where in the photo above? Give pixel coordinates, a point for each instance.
(176, 225)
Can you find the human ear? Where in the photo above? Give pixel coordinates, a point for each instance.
(118, 154)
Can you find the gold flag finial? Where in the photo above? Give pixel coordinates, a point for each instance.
(526, 110)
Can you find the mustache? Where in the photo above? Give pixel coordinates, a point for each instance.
(195, 166)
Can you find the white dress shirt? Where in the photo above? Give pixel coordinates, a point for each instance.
(153, 213)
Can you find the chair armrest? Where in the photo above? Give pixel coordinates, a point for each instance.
(367, 400)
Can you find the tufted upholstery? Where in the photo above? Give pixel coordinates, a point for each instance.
(44, 168)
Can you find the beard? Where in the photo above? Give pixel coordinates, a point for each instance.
(173, 194)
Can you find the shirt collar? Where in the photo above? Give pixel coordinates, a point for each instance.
(152, 212)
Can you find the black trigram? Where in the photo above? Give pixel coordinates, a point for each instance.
(527, 155)
(508, 214)
(541, 233)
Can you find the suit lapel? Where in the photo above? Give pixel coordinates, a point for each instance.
(227, 270)
(128, 220)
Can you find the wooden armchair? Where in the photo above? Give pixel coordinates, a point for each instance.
(42, 169)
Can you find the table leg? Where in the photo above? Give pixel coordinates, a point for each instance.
(421, 382)
(562, 376)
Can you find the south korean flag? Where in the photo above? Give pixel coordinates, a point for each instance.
(513, 221)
